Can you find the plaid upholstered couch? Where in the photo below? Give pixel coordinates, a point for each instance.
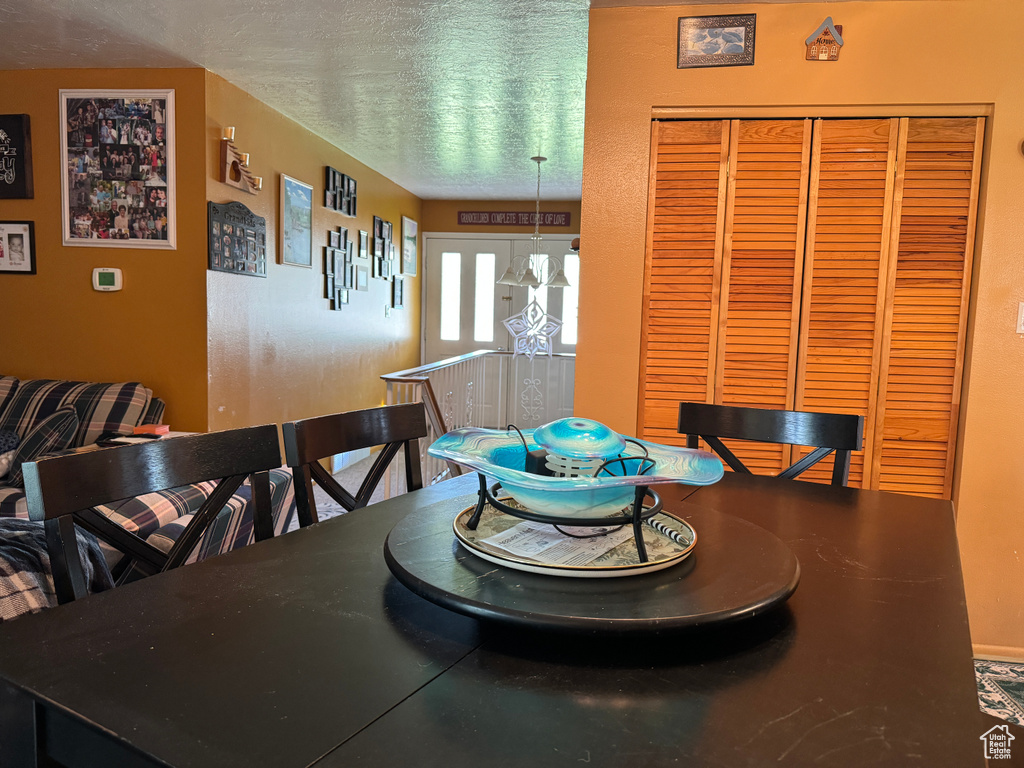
(41, 416)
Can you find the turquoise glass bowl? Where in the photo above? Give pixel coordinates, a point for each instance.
(500, 455)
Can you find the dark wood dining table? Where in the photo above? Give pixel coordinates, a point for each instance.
(304, 650)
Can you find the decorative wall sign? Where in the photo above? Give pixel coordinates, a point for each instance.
(117, 150)
(825, 42)
(17, 247)
(15, 157)
(513, 218)
(238, 239)
(340, 194)
(296, 222)
(716, 41)
(234, 165)
(410, 243)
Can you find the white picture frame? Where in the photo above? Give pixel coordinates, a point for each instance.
(296, 241)
(118, 180)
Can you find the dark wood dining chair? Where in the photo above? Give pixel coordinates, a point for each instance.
(62, 491)
(308, 441)
(826, 432)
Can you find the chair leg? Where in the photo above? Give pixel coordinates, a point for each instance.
(262, 517)
(65, 561)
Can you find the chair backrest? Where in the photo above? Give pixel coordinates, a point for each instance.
(62, 491)
(308, 441)
(826, 432)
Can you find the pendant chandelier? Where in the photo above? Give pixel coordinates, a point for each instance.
(523, 270)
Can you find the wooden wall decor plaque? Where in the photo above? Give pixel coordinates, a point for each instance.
(825, 42)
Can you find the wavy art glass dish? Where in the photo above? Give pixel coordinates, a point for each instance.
(503, 456)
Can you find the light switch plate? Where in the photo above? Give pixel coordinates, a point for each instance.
(1020, 317)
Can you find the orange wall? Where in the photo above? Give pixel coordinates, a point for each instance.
(154, 331)
(276, 350)
(899, 58)
(443, 215)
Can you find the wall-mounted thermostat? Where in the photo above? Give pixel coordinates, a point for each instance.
(106, 279)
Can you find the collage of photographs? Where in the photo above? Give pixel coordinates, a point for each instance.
(116, 150)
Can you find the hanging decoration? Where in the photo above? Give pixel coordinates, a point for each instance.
(532, 331)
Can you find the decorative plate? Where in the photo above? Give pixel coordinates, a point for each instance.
(668, 540)
(501, 456)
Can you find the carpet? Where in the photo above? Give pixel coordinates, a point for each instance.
(1001, 689)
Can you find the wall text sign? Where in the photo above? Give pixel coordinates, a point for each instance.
(513, 218)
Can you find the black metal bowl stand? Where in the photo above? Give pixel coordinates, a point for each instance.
(633, 515)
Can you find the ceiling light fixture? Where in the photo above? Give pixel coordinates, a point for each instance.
(521, 271)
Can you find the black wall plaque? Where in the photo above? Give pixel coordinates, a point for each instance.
(15, 157)
(238, 240)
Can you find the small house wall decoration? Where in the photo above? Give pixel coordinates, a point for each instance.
(234, 165)
(825, 42)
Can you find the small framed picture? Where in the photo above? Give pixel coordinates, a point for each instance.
(364, 245)
(410, 241)
(398, 293)
(362, 279)
(334, 239)
(296, 222)
(17, 247)
(716, 41)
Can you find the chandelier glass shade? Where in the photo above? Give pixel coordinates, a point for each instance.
(523, 270)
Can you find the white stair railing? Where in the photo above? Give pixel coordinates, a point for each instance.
(484, 389)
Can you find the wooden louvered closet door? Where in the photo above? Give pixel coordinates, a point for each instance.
(850, 202)
(928, 291)
(759, 311)
(823, 269)
(684, 253)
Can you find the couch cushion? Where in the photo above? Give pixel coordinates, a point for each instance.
(8, 386)
(8, 444)
(54, 433)
(103, 409)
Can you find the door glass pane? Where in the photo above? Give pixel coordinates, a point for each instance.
(541, 270)
(451, 295)
(570, 298)
(483, 307)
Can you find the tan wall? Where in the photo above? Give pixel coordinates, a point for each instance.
(899, 58)
(276, 350)
(443, 215)
(154, 331)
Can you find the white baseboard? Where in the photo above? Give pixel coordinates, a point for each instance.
(341, 460)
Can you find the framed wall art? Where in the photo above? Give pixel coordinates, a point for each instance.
(340, 192)
(237, 239)
(716, 41)
(15, 157)
(410, 240)
(296, 222)
(117, 152)
(17, 247)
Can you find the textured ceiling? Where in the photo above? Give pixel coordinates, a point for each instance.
(449, 98)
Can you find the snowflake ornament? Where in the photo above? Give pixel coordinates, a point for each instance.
(532, 330)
